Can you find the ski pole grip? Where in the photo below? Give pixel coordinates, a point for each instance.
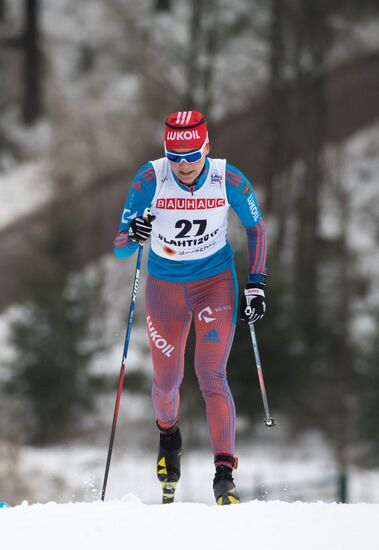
(148, 216)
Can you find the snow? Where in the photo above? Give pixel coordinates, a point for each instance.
(23, 189)
(131, 523)
(66, 512)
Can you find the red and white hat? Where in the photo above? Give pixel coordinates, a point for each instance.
(185, 130)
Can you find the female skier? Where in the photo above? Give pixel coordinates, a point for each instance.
(191, 276)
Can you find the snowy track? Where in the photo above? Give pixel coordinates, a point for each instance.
(131, 524)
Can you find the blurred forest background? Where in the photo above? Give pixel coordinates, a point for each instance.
(290, 89)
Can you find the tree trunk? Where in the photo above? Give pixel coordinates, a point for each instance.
(2, 9)
(310, 108)
(211, 48)
(194, 48)
(274, 140)
(32, 107)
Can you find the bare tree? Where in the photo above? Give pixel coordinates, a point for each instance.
(2, 9)
(32, 104)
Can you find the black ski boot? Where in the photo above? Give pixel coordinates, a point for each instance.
(223, 485)
(168, 462)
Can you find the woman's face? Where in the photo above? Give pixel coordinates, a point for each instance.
(188, 172)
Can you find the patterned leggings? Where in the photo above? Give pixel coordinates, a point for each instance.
(170, 307)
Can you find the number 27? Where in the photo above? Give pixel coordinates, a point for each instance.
(186, 226)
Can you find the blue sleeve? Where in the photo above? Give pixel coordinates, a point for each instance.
(139, 198)
(241, 197)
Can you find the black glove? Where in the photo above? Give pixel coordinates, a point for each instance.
(140, 229)
(253, 305)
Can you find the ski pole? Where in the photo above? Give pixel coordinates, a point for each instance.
(269, 421)
(147, 214)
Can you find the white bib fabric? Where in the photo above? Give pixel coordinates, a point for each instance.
(189, 226)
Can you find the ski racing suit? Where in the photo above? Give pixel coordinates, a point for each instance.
(191, 276)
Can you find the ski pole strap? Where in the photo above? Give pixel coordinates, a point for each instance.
(227, 460)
